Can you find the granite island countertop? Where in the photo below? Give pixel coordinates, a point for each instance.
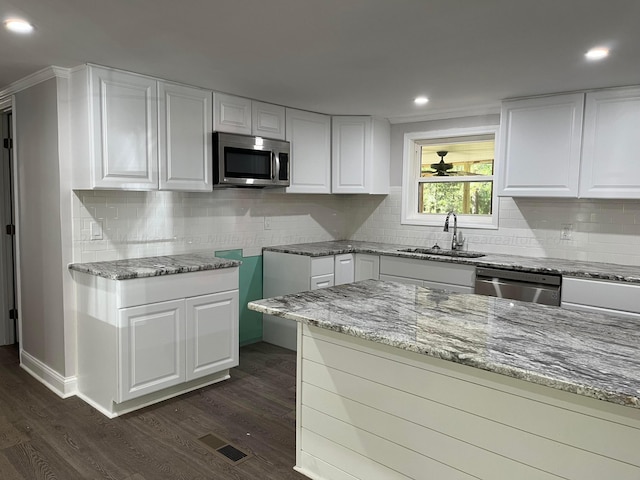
(154, 266)
(585, 353)
(574, 268)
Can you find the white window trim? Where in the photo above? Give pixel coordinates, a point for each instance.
(410, 168)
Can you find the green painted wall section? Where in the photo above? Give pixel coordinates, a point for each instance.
(250, 289)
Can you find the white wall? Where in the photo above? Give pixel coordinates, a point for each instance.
(604, 230)
(40, 225)
(137, 224)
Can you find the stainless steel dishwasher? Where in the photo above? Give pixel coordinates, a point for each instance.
(524, 286)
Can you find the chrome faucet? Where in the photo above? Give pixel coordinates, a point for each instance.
(456, 242)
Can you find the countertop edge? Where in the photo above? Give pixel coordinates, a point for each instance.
(514, 372)
(131, 271)
(477, 262)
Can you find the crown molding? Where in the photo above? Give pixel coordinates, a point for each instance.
(40, 76)
(491, 109)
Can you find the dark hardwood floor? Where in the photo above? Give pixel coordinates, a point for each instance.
(45, 437)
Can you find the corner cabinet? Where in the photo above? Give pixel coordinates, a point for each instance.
(144, 340)
(126, 129)
(360, 155)
(610, 166)
(310, 137)
(540, 146)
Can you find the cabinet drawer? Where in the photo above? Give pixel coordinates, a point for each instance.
(601, 293)
(451, 273)
(321, 266)
(140, 291)
(322, 281)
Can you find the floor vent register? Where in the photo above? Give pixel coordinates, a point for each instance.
(229, 452)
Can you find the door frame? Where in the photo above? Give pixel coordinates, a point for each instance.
(7, 106)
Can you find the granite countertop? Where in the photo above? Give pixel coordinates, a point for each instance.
(604, 271)
(585, 353)
(154, 266)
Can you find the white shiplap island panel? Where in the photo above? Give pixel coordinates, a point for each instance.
(397, 414)
(369, 410)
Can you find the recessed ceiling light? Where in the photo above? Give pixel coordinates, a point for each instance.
(597, 53)
(420, 100)
(18, 26)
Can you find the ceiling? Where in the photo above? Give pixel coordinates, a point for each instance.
(339, 56)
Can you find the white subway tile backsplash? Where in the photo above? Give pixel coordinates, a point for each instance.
(159, 223)
(603, 230)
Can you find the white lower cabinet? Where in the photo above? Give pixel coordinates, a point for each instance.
(344, 268)
(447, 276)
(601, 296)
(144, 340)
(151, 342)
(367, 266)
(212, 333)
(285, 273)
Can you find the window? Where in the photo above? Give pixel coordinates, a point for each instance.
(450, 170)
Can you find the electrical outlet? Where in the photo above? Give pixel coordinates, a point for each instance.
(267, 223)
(567, 231)
(96, 230)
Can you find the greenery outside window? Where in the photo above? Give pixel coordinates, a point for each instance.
(450, 170)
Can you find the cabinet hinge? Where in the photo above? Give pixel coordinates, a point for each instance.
(13, 314)
(11, 229)
(8, 143)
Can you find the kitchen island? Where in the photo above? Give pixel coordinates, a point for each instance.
(401, 381)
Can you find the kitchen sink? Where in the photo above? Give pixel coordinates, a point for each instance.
(443, 252)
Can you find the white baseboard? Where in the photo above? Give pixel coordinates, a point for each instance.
(64, 387)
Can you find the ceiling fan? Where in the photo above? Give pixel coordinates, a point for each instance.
(441, 169)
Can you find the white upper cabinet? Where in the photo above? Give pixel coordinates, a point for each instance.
(231, 114)
(131, 132)
(540, 146)
(267, 120)
(124, 130)
(610, 166)
(310, 137)
(360, 155)
(185, 138)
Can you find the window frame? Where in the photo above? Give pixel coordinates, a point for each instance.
(411, 178)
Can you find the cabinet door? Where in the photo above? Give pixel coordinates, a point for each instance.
(267, 120)
(367, 266)
(540, 146)
(231, 114)
(124, 117)
(610, 167)
(310, 137)
(212, 333)
(322, 281)
(351, 150)
(185, 137)
(150, 348)
(344, 270)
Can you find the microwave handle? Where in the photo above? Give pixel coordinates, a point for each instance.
(275, 164)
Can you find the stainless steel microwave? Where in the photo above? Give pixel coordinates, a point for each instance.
(248, 161)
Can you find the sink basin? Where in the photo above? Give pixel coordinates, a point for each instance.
(443, 252)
